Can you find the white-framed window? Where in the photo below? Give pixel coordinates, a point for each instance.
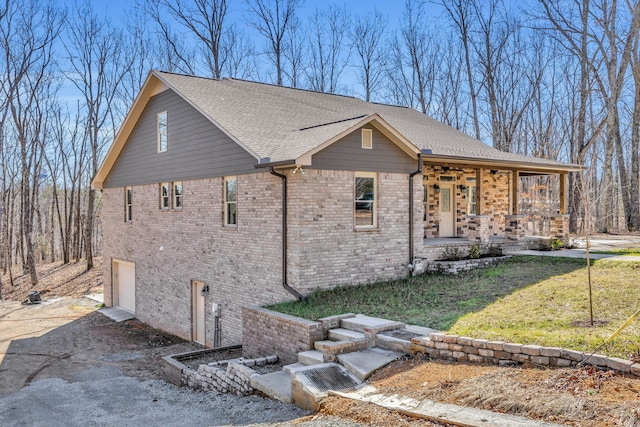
(425, 197)
(177, 195)
(230, 201)
(128, 211)
(367, 139)
(162, 132)
(365, 200)
(165, 195)
(471, 197)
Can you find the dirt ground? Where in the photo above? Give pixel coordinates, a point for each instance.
(573, 397)
(54, 280)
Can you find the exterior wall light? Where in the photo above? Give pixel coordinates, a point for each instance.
(436, 188)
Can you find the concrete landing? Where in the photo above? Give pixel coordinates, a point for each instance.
(96, 297)
(117, 314)
(276, 385)
(364, 323)
(363, 363)
(441, 412)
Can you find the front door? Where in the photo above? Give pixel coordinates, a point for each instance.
(198, 326)
(447, 210)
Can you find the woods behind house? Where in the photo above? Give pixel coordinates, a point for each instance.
(550, 78)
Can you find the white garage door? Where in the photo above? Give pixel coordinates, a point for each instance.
(124, 275)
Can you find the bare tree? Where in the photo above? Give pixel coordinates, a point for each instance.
(412, 70)
(272, 18)
(97, 70)
(327, 59)
(460, 13)
(368, 40)
(294, 52)
(27, 33)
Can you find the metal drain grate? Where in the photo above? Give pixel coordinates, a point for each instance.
(329, 378)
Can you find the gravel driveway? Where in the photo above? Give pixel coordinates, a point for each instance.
(64, 364)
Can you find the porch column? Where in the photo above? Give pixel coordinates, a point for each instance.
(515, 190)
(563, 193)
(479, 207)
(514, 227)
(559, 227)
(478, 226)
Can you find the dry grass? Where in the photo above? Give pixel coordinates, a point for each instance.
(585, 398)
(55, 280)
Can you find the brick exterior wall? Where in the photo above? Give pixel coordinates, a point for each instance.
(325, 249)
(242, 265)
(268, 332)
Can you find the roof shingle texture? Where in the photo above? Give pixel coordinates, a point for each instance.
(284, 123)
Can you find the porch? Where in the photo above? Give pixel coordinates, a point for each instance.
(511, 209)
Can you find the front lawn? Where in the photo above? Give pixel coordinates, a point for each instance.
(532, 300)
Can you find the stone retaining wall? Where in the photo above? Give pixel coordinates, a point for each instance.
(269, 332)
(233, 376)
(453, 347)
(455, 267)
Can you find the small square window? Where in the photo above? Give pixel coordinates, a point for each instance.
(367, 139)
(162, 132)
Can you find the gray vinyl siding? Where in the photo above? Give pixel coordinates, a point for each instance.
(196, 148)
(348, 154)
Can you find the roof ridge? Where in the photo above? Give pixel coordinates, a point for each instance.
(284, 87)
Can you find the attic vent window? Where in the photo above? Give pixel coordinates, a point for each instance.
(367, 139)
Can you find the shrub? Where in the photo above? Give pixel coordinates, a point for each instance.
(475, 251)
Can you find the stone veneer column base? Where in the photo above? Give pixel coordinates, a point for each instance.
(559, 227)
(479, 228)
(514, 228)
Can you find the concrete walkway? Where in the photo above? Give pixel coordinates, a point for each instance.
(440, 412)
(578, 253)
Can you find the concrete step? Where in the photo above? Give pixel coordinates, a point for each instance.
(369, 325)
(339, 347)
(276, 385)
(365, 362)
(341, 334)
(291, 369)
(310, 357)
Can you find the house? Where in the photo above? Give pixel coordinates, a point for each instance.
(218, 194)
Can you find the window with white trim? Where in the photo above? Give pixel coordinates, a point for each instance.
(230, 201)
(470, 196)
(162, 132)
(128, 211)
(367, 138)
(365, 200)
(165, 195)
(177, 195)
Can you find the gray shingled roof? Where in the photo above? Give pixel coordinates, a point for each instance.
(284, 123)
